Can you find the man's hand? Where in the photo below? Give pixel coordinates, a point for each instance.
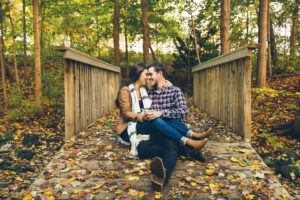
(167, 84)
(152, 114)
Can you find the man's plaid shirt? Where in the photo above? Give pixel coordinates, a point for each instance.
(170, 101)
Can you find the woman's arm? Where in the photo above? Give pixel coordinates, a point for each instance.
(125, 106)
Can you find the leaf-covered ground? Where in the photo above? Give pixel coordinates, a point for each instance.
(27, 148)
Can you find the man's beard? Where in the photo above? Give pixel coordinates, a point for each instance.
(148, 84)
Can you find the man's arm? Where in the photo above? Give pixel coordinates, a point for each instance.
(180, 110)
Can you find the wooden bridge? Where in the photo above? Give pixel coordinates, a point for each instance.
(93, 165)
(222, 88)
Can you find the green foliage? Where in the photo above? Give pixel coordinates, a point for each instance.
(53, 86)
(19, 107)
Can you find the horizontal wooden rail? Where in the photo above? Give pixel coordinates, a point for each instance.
(91, 86)
(222, 87)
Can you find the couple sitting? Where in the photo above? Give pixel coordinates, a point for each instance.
(152, 121)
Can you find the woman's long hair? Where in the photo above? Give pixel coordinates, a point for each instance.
(134, 74)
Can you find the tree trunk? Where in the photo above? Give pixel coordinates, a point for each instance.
(293, 38)
(24, 34)
(224, 29)
(116, 32)
(273, 45)
(194, 32)
(262, 40)
(37, 53)
(269, 40)
(98, 37)
(153, 53)
(68, 20)
(14, 47)
(42, 11)
(126, 46)
(3, 75)
(145, 27)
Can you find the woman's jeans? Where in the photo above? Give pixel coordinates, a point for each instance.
(169, 127)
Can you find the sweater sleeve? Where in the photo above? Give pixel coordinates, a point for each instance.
(125, 106)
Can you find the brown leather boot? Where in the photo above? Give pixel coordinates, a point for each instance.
(202, 135)
(196, 144)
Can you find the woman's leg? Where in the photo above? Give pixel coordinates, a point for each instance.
(179, 126)
(162, 127)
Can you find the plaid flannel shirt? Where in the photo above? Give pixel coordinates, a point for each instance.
(170, 101)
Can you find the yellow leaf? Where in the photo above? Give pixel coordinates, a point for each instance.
(148, 162)
(212, 186)
(233, 159)
(254, 167)
(193, 184)
(250, 196)
(209, 171)
(141, 194)
(284, 196)
(134, 178)
(18, 178)
(72, 178)
(118, 192)
(48, 192)
(50, 198)
(28, 197)
(157, 195)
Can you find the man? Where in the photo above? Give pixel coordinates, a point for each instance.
(169, 104)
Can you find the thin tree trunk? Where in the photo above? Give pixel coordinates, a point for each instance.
(126, 45)
(262, 40)
(269, 38)
(98, 38)
(24, 34)
(3, 75)
(14, 47)
(247, 25)
(145, 27)
(37, 53)
(153, 54)
(293, 38)
(194, 32)
(42, 9)
(224, 29)
(68, 20)
(273, 45)
(116, 32)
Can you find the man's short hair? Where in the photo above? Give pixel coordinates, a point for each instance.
(159, 67)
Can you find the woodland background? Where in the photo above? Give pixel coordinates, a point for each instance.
(125, 32)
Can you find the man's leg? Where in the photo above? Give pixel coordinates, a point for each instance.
(170, 154)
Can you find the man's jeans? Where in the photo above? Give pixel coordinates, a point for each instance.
(165, 136)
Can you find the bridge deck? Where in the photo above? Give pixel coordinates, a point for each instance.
(96, 166)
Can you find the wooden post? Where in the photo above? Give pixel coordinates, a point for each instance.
(69, 99)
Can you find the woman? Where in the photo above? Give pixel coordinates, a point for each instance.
(133, 101)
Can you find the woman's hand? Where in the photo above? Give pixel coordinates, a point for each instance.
(152, 114)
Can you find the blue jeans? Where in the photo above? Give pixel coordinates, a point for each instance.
(168, 127)
(164, 147)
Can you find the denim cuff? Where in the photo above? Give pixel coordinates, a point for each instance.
(189, 134)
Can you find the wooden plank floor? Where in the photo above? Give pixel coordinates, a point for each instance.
(95, 166)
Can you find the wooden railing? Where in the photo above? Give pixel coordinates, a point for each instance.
(91, 87)
(222, 88)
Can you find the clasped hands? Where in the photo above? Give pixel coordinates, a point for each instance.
(151, 114)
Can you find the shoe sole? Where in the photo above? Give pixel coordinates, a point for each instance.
(158, 174)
